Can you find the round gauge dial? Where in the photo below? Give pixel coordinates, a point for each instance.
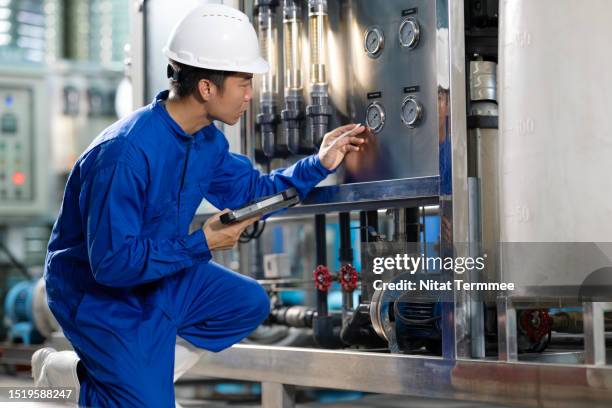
(375, 117)
(409, 32)
(374, 41)
(412, 112)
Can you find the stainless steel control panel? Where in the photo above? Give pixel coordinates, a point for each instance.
(394, 82)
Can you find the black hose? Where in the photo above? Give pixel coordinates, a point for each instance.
(257, 229)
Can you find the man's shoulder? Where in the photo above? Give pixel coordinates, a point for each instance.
(117, 144)
(125, 129)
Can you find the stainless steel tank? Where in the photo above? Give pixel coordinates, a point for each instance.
(555, 143)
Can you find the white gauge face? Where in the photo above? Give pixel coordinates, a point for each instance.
(412, 112)
(375, 117)
(374, 41)
(409, 33)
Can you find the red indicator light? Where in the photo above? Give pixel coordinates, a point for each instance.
(18, 178)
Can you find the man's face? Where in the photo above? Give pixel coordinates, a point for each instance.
(229, 105)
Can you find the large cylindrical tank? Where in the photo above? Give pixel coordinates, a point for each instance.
(555, 146)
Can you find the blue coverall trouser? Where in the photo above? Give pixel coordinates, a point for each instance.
(208, 305)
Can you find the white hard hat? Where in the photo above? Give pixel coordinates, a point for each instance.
(218, 37)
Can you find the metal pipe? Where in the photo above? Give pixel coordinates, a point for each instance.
(412, 224)
(325, 327)
(399, 225)
(573, 322)
(422, 216)
(345, 254)
(292, 316)
(369, 224)
(475, 305)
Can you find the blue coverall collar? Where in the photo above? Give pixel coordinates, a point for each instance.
(159, 108)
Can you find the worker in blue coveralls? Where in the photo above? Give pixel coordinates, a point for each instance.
(124, 276)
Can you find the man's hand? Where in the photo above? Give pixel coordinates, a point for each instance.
(332, 151)
(224, 236)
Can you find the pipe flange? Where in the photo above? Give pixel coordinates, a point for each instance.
(376, 314)
(319, 110)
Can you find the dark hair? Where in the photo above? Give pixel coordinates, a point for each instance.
(184, 79)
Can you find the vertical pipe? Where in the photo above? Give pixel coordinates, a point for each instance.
(475, 305)
(412, 224)
(506, 329)
(423, 218)
(399, 225)
(345, 257)
(452, 138)
(482, 196)
(346, 251)
(594, 332)
(325, 327)
(321, 255)
(363, 223)
(368, 221)
(369, 224)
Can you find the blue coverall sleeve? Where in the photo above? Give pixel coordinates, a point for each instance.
(236, 181)
(113, 215)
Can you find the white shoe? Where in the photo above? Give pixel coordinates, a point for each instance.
(51, 368)
(186, 355)
(58, 369)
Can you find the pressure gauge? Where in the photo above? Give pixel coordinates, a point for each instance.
(374, 41)
(412, 111)
(375, 117)
(409, 32)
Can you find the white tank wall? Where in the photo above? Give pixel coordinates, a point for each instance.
(555, 87)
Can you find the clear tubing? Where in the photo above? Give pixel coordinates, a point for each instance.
(292, 114)
(319, 111)
(317, 36)
(293, 49)
(268, 40)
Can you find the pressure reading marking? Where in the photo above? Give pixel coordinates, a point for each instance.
(409, 32)
(374, 41)
(412, 111)
(375, 117)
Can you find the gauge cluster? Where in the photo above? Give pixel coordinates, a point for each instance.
(408, 36)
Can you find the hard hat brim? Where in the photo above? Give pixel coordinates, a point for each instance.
(259, 66)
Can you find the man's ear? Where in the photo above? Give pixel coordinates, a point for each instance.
(207, 89)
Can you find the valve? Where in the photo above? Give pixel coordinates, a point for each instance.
(322, 277)
(536, 324)
(348, 278)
